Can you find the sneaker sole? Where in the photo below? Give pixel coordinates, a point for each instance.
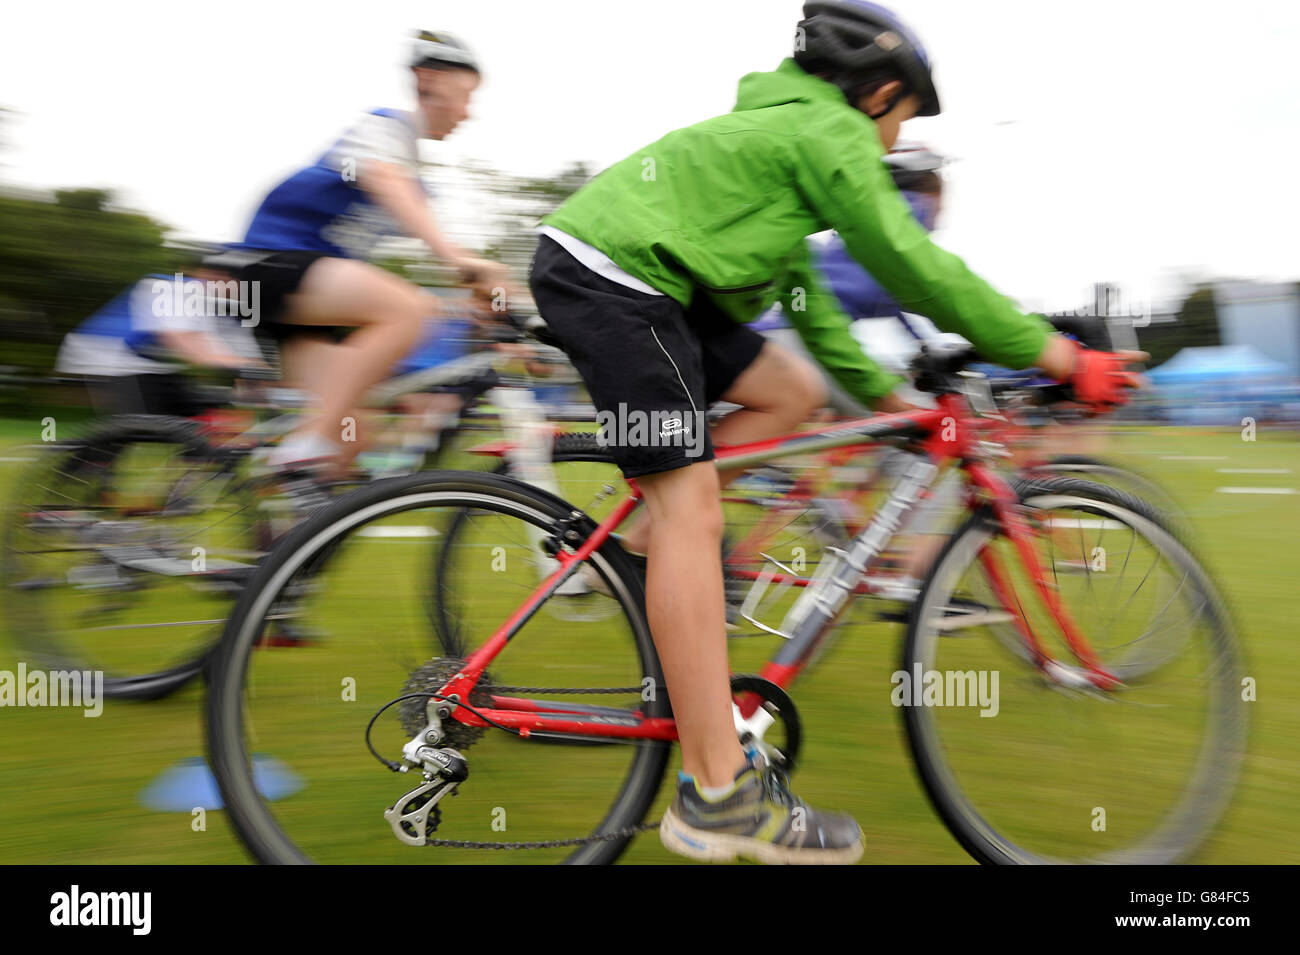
(705, 846)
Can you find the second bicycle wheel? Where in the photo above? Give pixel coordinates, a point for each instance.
(121, 552)
(1023, 769)
(287, 726)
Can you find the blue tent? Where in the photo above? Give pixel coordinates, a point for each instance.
(1227, 363)
(1221, 385)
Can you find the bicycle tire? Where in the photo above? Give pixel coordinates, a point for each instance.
(100, 447)
(1133, 482)
(568, 448)
(256, 827)
(1220, 754)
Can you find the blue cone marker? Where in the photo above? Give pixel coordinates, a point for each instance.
(190, 785)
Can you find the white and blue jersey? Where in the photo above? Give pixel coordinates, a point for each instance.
(123, 337)
(322, 208)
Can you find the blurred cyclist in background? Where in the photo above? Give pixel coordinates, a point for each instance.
(887, 335)
(643, 275)
(134, 350)
(307, 241)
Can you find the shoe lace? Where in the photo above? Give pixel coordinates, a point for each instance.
(776, 787)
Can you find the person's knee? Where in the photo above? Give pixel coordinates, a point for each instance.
(801, 389)
(405, 313)
(705, 520)
(685, 502)
(781, 383)
(809, 389)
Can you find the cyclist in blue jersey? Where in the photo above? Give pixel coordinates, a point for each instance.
(309, 238)
(132, 351)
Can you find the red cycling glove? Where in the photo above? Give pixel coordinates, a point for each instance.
(1099, 380)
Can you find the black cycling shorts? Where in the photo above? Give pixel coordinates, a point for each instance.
(166, 393)
(652, 368)
(278, 275)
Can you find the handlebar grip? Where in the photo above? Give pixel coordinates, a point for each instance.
(1053, 394)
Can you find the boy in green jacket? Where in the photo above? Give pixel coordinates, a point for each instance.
(646, 275)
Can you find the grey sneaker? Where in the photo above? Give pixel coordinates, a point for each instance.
(759, 819)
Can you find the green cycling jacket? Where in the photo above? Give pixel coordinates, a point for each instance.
(724, 208)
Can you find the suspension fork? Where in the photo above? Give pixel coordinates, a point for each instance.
(1013, 524)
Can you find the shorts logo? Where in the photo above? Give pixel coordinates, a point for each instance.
(671, 427)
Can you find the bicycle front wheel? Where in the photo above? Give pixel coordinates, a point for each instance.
(287, 728)
(1025, 769)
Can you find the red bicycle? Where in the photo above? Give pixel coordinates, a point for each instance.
(1070, 611)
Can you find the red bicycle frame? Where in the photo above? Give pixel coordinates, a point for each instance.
(949, 433)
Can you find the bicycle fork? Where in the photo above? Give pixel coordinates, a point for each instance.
(1091, 673)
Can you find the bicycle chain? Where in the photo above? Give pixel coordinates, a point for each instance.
(623, 833)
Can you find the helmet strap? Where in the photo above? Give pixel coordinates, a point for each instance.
(853, 92)
(889, 107)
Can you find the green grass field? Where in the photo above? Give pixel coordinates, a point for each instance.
(70, 786)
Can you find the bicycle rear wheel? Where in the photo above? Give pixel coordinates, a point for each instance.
(1139, 774)
(355, 577)
(588, 469)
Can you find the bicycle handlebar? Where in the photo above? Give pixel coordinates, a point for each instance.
(944, 371)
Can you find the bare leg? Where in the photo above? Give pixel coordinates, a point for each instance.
(685, 608)
(388, 314)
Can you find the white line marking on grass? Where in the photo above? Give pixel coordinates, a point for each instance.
(1253, 470)
(13, 460)
(397, 532)
(1255, 490)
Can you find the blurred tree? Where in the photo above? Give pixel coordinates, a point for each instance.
(62, 259)
(1197, 324)
(521, 201)
(511, 207)
(83, 200)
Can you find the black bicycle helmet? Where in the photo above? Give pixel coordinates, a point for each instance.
(437, 50)
(850, 40)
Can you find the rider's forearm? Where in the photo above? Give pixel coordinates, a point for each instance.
(198, 349)
(400, 195)
(1057, 357)
(816, 316)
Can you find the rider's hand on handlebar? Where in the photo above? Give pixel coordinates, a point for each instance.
(483, 276)
(1096, 379)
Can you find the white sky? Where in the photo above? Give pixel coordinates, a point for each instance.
(1131, 141)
